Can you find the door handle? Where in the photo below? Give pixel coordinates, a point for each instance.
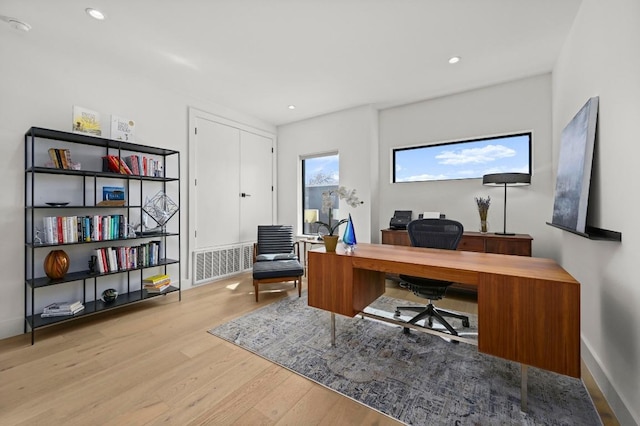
(244, 194)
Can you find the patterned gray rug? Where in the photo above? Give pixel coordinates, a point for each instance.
(419, 379)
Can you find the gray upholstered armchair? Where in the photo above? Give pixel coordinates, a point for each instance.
(276, 257)
(275, 242)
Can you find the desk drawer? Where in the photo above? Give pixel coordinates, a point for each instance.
(471, 244)
(520, 248)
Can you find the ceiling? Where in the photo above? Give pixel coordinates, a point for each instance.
(260, 56)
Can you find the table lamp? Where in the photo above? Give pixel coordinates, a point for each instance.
(511, 179)
(311, 215)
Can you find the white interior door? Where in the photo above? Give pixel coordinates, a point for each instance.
(256, 184)
(217, 184)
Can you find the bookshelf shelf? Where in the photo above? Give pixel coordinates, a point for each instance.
(67, 172)
(79, 192)
(97, 306)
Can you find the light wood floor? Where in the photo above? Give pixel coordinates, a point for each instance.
(154, 363)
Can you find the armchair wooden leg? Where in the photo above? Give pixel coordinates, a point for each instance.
(299, 282)
(255, 286)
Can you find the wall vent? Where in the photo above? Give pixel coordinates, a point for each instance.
(219, 262)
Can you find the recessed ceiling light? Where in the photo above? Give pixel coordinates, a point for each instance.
(454, 59)
(292, 107)
(16, 24)
(95, 13)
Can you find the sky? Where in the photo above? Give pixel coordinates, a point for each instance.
(328, 166)
(463, 160)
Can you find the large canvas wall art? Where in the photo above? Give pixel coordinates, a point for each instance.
(574, 169)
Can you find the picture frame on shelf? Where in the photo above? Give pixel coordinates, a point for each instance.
(86, 121)
(122, 129)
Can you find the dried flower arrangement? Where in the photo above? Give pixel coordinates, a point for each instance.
(483, 207)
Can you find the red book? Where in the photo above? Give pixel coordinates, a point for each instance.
(104, 260)
(124, 169)
(112, 163)
(60, 234)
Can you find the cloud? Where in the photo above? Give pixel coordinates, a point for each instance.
(422, 177)
(475, 155)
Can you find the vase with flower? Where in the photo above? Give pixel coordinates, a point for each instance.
(483, 210)
(328, 199)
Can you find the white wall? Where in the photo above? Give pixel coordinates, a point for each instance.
(601, 58)
(353, 134)
(39, 87)
(522, 105)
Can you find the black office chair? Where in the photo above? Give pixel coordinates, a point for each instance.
(432, 233)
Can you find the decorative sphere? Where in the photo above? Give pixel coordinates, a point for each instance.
(109, 295)
(56, 264)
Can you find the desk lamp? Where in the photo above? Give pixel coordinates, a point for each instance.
(512, 179)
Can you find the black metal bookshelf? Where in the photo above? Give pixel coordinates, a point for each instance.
(37, 171)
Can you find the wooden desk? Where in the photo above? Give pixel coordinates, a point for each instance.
(528, 308)
(518, 244)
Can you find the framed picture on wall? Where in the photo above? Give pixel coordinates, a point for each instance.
(574, 169)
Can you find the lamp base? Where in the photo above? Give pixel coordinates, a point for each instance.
(505, 233)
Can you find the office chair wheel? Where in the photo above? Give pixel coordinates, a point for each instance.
(396, 313)
(465, 323)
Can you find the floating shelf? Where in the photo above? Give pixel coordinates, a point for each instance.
(593, 233)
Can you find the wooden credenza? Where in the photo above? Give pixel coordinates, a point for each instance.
(518, 244)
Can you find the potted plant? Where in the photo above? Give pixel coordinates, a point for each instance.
(331, 240)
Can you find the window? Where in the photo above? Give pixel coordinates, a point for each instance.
(463, 159)
(319, 174)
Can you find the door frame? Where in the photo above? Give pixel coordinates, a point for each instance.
(194, 115)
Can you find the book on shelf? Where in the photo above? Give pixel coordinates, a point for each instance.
(133, 163)
(62, 306)
(71, 229)
(62, 309)
(62, 313)
(86, 121)
(157, 285)
(112, 163)
(61, 158)
(154, 279)
(159, 289)
(113, 193)
(122, 129)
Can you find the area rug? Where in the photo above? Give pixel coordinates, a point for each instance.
(418, 379)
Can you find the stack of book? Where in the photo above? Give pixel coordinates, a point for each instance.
(156, 283)
(61, 158)
(62, 309)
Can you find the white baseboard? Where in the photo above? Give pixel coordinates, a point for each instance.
(11, 327)
(616, 402)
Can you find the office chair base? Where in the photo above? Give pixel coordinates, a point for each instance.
(429, 312)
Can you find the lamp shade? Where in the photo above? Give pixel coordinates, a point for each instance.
(507, 179)
(311, 215)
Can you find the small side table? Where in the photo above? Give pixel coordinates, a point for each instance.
(311, 242)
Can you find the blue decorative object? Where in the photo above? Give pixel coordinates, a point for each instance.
(349, 237)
